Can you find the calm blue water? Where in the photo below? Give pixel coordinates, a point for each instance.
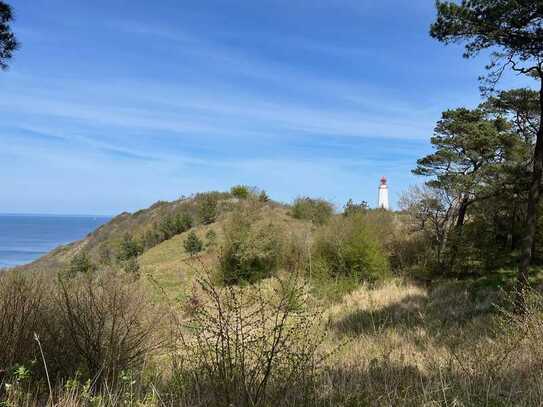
(24, 238)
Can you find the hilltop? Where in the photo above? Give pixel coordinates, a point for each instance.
(156, 235)
(150, 226)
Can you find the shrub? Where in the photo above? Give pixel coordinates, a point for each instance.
(132, 267)
(352, 208)
(240, 191)
(101, 328)
(80, 264)
(128, 248)
(263, 197)
(251, 250)
(151, 238)
(207, 207)
(105, 255)
(175, 224)
(192, 244)
(318, 211)
(347, 247)
(21, 304)
(243, 348)
(211, 238)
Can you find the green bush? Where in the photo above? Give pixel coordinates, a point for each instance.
(128, 248)
(175, 224)
(192, 244)
(80, 263)
(207, 207)
(318, 211)
(252, 250)
(240, 191)
(347, 247)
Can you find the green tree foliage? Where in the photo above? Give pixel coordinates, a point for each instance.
(169, 226)
(128, 248)
(470, 147)
(240, 191)
(318, 211)
(482, 161)
(346, 247)
(252, 250)
(175, 224)
(81, 264)
(207, 207)
(192, 244)
(512, 29)
(8, 42)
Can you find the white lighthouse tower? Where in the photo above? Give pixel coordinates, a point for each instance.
(383, 194)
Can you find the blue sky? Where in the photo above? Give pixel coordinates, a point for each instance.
(113, 105)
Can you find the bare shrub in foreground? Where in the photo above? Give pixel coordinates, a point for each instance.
(106, 324)
(21, 301)
(246, 347)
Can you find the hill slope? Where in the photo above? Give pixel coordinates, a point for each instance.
(162, 258)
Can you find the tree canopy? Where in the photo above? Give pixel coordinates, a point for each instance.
(513, 30)
(8, 42)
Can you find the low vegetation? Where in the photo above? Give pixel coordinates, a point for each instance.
(260, 308)
(318, 211)
(232, 299)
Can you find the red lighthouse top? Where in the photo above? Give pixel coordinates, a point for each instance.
(383, 180)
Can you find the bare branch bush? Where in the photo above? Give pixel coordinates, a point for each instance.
(21, 303)
(106, 324)
(245, 346)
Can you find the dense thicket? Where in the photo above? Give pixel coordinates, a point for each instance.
(513, 30)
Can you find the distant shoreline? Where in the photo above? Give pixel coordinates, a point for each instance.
(25, 238)
(58, 215)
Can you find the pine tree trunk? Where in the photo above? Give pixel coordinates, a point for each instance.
(534, 195)
(462, 213)
(458, 229)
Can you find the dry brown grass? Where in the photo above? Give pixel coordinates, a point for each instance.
(449, 346)
(401, 344)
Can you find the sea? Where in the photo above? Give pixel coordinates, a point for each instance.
(24, 238)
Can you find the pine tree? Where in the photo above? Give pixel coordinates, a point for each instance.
(513, 30)
(192, 244)
(8, 42)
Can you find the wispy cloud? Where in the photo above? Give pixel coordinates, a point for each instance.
(133, 105)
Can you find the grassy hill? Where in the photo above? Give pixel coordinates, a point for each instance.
(327, 294)
(165, 261)
(107, 237)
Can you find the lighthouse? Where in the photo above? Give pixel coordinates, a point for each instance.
(383, 194)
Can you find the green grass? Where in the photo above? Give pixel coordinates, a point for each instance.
(170, 267)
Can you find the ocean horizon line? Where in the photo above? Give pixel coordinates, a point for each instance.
(65, 215)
